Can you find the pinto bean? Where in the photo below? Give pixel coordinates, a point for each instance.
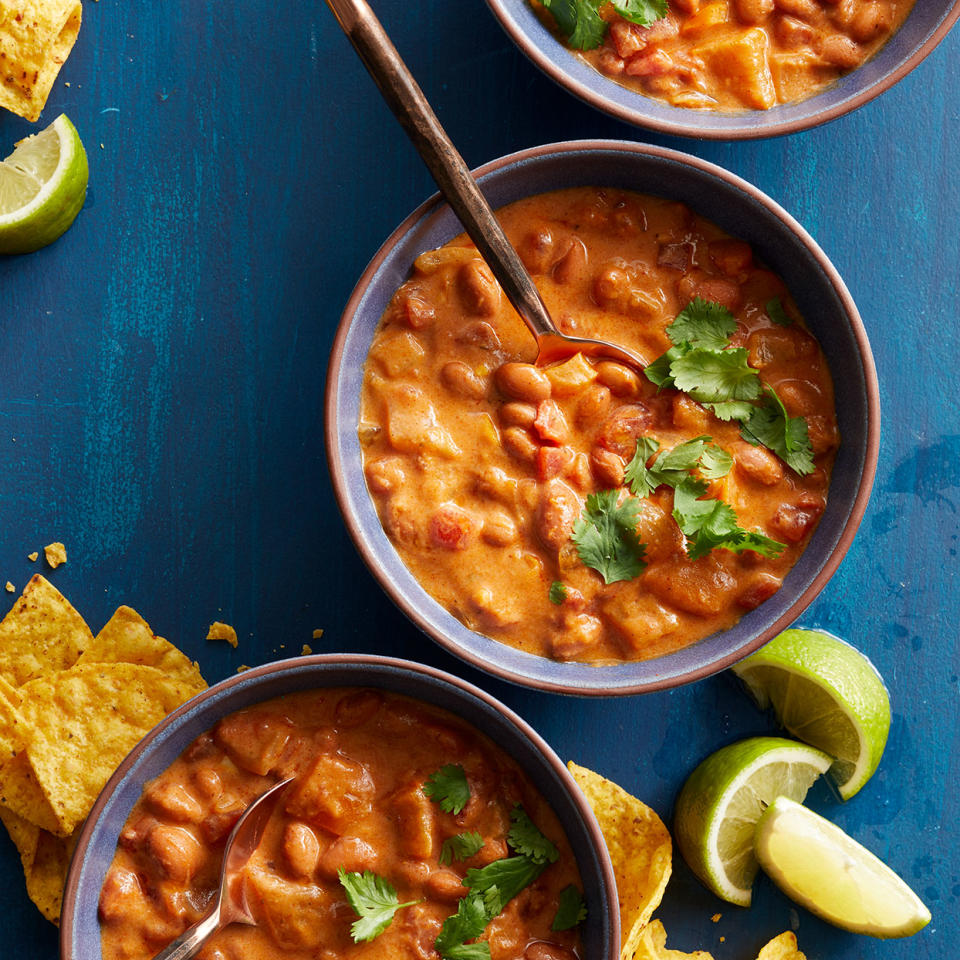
(559, 507)
(607, 467)
(793, 521)
(627, 38)
(385, 475)
(619, 434)
(753, 11)
(840, 51)
(870, 20)
(523, 381)
(460, 379)
(351, 853)
(593, 405)
(519, 444)
(538, 250)
(499, 529)
(174, 801)
(446, 886)
(804, 9)
(621, 380)
(176, 851)
(479, 333)
(518, 414)
(573, 264)
(301, 848)
(757, 464)
(479, 292)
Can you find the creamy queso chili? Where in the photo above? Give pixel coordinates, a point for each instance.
(361, 758)
(731, 55)
(480, 463)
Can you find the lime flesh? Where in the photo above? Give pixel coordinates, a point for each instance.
(826, 693)
(43, 185)
(722, 800)
(816, 864)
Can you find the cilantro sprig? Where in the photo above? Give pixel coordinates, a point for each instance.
(467, 923)
(571, 910)
(704, 364)
(448, 787)
(374, 900)
(606, 539)
(461, 846)
(525, 837)
(671, 467)
(558, 592)
(580, 21)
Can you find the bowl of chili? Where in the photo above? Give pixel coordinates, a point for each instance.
(232, 728)
(736, 207)
(745, 70)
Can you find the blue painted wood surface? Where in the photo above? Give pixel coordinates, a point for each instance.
(162, 371)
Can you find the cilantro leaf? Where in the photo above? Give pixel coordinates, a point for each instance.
(606, 537)
(527, 840)
(509, 876)
(374, 900)
(731, 409)
(777, 314)
(711, 524)
(558, 592)
(638, 477)
(713, 376)
(703, 324)
(771, 426)
(467, 923)
(658, 372)
(462, 846)
(579, 21)
(448, 787)
(643, 12)
(467, 951)
(715, 462)
(571, 910)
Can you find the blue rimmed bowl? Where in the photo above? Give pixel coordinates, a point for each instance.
(79, 929)
(778, 240)
(927, 24)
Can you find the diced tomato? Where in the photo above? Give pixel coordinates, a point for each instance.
(550, 424)
(552, 461)
(452, 527)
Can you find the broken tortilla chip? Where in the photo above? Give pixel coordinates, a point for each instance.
(55, 553)
(652, 945)
(127, 638)
(76, 744)
(640, 849)
(36, 37)
(222, 631)
(41, 634)
(783, 947)
(47, 876)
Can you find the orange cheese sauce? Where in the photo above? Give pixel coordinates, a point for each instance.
(361, 758)
(480, 463)
(731, 55)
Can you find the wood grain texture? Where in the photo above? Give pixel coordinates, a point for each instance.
(162, 369)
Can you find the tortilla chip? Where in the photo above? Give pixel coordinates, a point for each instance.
(47, 876)
(640, 849)
(36, 37)
(21, 794)
(55, 554)
(12, 735)
(783, 947)
(84, 721)
(41, 634)
(25, 836)
(222, 631)
(651, 945)
(127, 638)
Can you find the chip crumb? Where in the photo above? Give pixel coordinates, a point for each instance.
(317, 634)
(222, 631)
(716, 917)
(10, 587)
(723, 939)
(242, 668)
(306, 650)
(33, 556)
(55, 553)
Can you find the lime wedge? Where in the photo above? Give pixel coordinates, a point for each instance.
(816, 864)
(722, 800)
(43, 185)
(826, 693)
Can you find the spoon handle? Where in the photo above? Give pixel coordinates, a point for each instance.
(406, 100)
(193, 938)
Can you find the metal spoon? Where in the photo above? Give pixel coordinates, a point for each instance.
(229, 905)
(406, 100)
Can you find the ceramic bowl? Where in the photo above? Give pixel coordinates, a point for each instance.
(79, 932)
(778, 240)
(924, 28)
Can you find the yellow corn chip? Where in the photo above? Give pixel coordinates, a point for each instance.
(36, 37)
(41, 634)
(640, 849)
(783, 947)
(127, 638)
(20, 793)
(12, 737)
(76, 744)
(25, 836)
(55, 553)
(652, 945)
(222, 631)
(48, 874)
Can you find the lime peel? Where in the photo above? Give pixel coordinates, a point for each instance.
(820, 867)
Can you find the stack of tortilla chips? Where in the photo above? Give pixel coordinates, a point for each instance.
(36, 37)
(72, 706)
(641, 851)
